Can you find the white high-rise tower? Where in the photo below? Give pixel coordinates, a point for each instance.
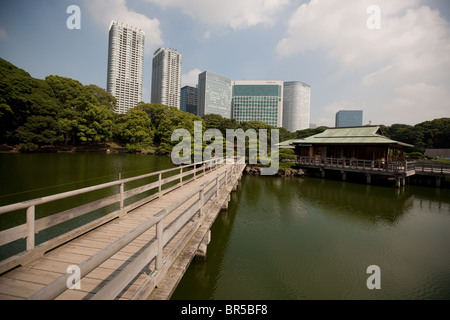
(125, 65)
(296, 105)
(166, 77)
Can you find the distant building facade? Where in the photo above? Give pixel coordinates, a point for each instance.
(214, 94)
(296, 105)
(166, 77)
(189, 100)
(258, 101)
(349, 118)
(125, 65)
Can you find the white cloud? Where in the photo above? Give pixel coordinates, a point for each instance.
(237, 14)
(190, 78)
(402, 67)
(3, 34)
(425, 99)
(105, 11)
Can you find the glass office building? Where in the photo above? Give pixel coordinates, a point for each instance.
(258, 101)
(296, 105)
(189, 100)
(214, 94)
(125, 65)
(349, 118)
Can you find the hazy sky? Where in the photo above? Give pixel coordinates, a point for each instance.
(397, 73)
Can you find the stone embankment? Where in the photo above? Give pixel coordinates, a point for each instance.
(290, 172)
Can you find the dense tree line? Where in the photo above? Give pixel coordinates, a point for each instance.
(54, 111)
(59, 112)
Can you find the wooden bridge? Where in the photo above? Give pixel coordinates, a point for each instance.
(138, 250)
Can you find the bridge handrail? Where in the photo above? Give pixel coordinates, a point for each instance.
(68, 194)
(32, 226)
(59, 285)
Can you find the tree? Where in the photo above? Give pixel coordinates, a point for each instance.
(301, 134)
(164, 121)
(38, 131)
(135, 130)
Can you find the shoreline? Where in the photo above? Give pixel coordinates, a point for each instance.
(108, 147)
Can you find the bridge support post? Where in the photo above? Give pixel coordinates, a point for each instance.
(368, 178)
(438, 181)
(225, 204)
(322, 172)
(344, 175)
(398, 182)
(200, 255)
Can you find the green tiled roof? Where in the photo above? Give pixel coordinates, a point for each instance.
(350, 135)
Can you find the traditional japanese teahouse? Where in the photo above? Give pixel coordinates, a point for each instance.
(359, 143)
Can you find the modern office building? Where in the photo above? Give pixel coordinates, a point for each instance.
(214, 94)
(349, 118)
(258, 101)
(296, 105)
(166, 77)
(189, 99)
(125, 65)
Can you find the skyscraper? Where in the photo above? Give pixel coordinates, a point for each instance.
(214, 94)
(258, 101)
(166, 77)
(296, 105)
(125, 65)
(349, 118)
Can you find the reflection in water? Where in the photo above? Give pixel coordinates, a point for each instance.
(307, 238)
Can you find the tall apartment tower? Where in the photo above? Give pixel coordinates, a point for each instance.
(214, 94)
(258, 101)
(125, 65)
(296, 105)
(166, 77)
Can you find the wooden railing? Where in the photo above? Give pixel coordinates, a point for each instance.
(433, 167)
(33, 226)
(154, 251)
(358, 164)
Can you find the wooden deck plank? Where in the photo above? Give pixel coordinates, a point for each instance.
(18, 288)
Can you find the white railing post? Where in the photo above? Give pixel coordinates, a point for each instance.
(159, 238)
(121, 191)
(159, 185)
(217, 186)
(202, 200)
(181, 176)
(30, 227)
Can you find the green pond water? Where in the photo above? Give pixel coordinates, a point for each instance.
(281, 238)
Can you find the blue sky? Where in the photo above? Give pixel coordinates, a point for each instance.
(396, 74)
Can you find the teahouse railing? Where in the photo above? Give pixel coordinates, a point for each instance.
(358, 164)
(433, 167)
